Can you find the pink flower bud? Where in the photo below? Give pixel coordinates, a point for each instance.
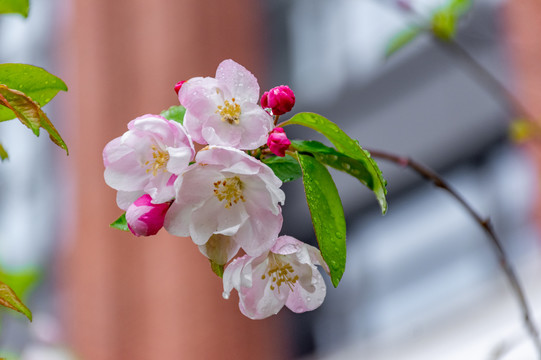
(280, 99)
(179, 85)
(145, 218)
(278, 142)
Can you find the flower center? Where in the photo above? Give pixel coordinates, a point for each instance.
(230, 190)
(230, 112)
(280, 273)
(159, 160)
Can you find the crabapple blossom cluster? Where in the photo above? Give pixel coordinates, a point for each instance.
(223, 196)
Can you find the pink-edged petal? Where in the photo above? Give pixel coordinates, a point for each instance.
(234, 277)
(256, 124)
(262, 226)
(301, 300)
(241, 82)
(260, 301)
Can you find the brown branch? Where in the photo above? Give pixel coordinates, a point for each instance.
(495, 243)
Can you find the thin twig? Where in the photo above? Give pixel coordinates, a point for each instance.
(496, 244)
(485, 77)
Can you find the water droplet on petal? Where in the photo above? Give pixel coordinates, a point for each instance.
(225, 295)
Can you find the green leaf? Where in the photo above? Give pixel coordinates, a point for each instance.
(346, 146)
(285, 168)
(22, 281)
(3, 153)
(175, 113)
(9, 299)
(120, 223)
(444, 24)
(329, 156)
(401, 39)
(29, 113)
(33, 81)
(14, 7)
(327, 214)
(217, 269)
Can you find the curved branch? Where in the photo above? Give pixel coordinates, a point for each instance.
(495, 243)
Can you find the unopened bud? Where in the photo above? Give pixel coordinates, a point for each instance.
(280, 99)
(278, 142)
(145, 218)
(179, 85)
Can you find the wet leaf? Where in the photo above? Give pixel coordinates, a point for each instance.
(285, 168)
(35, 82)
(327, 214)
(29, 113)
(347, 146)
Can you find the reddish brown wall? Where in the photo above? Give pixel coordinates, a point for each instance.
(523, 25)
(147, 298)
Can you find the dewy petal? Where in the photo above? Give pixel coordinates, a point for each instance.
(241, 82)
(259, 301)
(301, 300)
(256, 124)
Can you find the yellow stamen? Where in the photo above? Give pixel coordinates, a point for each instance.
(230, 112)
(230, 190)
(281, 273)
(159, 160)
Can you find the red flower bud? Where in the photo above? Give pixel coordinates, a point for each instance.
(145, 218)
(280, 99)
(278, 142)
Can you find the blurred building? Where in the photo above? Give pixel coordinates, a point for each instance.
(421, 282)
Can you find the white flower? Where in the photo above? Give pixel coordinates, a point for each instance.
(286, 275)
(230, 193)
(224, 111)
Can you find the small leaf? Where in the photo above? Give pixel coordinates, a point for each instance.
(120, 223)
(33, 81)
(285, 168)
(346, 146)
(9, 299)
(14, 7)
(217, 269)
(327, 214)
(329, 156)
(3, 153)
(29, 113)
(175, 113)
(444, 24)
(401, 39)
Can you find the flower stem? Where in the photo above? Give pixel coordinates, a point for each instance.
(495, 243)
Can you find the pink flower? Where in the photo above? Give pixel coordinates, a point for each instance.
(145, 218)
(278, 142)
(179, 85)
(230, 193)
(147, 159)
(280, 99)
(223, 110)
(286, 275)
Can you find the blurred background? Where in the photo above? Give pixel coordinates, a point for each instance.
(421, 282)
